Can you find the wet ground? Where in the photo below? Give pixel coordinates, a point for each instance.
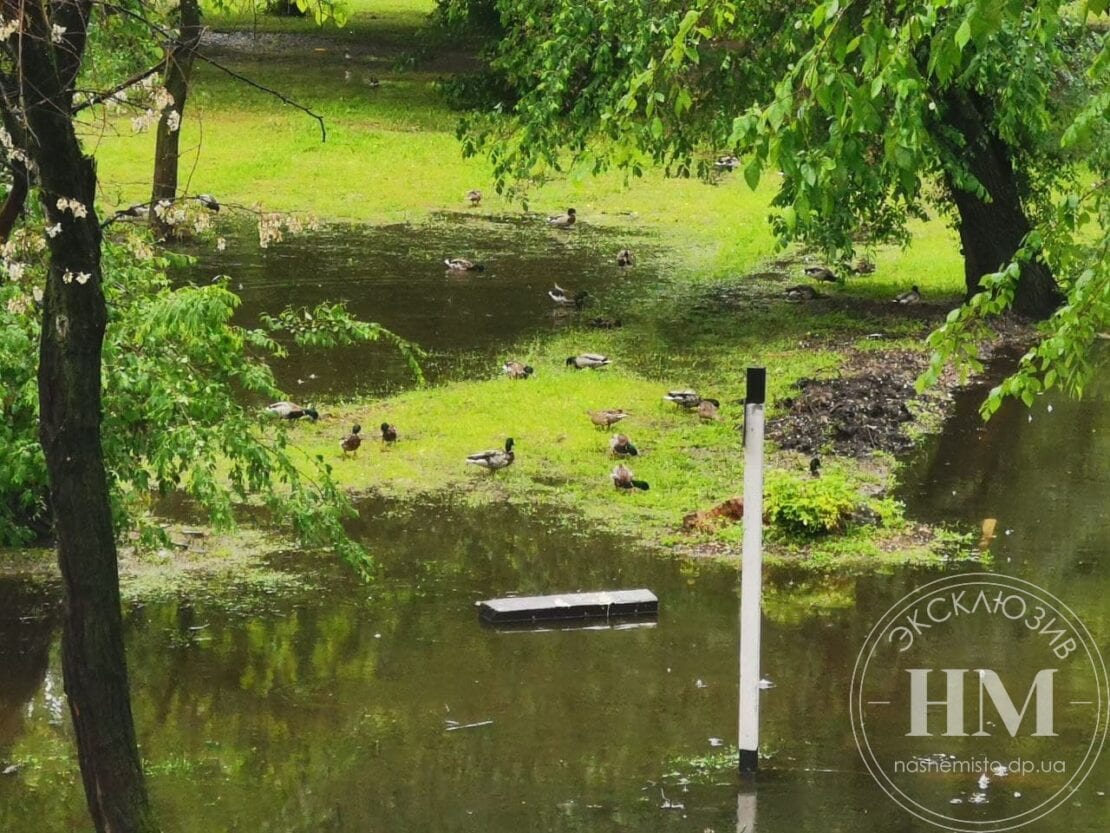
(331, 710)
(394, 275)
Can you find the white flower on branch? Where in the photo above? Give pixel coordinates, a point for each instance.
(56, 33)
(54, 230)
(75, 207)
(8, 28)
(173, 121)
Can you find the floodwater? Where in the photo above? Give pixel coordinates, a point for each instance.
(395, 276)
(329, 710)
(389, 707)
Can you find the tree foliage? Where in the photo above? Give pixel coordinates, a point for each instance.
(868, 114)
(184, 395)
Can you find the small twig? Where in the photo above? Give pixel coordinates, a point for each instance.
(469, 725)
(123, 85)
(280, 96)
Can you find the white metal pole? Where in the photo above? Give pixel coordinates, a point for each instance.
(751, 569)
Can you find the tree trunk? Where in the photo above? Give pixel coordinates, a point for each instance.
(179, 69)
(73, 325)
(993, 228)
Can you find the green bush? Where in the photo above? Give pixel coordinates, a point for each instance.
(810, 506)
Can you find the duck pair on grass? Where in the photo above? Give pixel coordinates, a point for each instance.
(350, 444)
(497, 459)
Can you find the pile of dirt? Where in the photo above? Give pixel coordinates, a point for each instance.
(864, 410)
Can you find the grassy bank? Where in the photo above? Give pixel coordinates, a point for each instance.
(391, 155)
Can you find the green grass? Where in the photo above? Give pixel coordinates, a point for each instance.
(392, 155)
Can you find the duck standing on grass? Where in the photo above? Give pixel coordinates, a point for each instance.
(707, 409)
(688, 399)
(625, 258)
(389, 434)
(821, 273)
(474, 196)
(604, 419)
(495, 460)
(291, 410)
(350, 443)
(563, 220)
(621, 446)
(517, 370)
(815, 467)
(461, 264)
(910, 297)
(802, 292)
(622, 479)
(590, 360)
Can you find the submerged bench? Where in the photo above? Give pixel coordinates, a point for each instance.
(608, 604)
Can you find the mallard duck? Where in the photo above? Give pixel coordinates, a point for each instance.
(622, 479)
(802, 292)
(625, 258)
(461, 264)
(517, 370)
(726, 163)
(291, 410)
(687, 398)
(621, 446)
(864, 266)
(910, 297)
(474, 196)
(373, 83)
(209, 202)
(821, 273)
(815, 467)
(566, 298)
(591, 360)
(352, 441)
(563, 220)
(707, 409)
(389, 433)
(603, 419)
(494, 460)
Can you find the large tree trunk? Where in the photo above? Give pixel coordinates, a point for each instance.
(179, 69)
(73, 325)
(993, 228)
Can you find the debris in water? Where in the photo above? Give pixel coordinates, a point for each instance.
(715, 742)
(978, 798)
(956, 801)
(10, 769)
(984, 781)
(1018, 795)
(700, 683)
(766, 684)
(458, 726)
(670, 805)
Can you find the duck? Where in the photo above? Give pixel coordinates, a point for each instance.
(707, 409)
(726, 163)
(621, 446)
(688, 398)
(209, 202)
(567, 298)
(563, 220)
(623, 479)
(821, 273)
(389, 433)
(474, 196)
(815, 467)
(590, 360)
(494, 460)
(350, 443)
(517, 370)
(625, 258)
(461, 264)
(291, 410)
(802, 292)
(864, 266)
(912, 296)
(604, 419)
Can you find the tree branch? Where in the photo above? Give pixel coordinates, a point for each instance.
(283, 98)
(123, 85)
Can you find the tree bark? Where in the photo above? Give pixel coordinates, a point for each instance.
(992, 228)
(73, 326)
(179, 69)
(12, 209)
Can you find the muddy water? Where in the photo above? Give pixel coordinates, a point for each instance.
(329, 709)
(394, 275)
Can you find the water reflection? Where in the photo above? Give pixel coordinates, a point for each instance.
(334, 708)
(394, 275)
